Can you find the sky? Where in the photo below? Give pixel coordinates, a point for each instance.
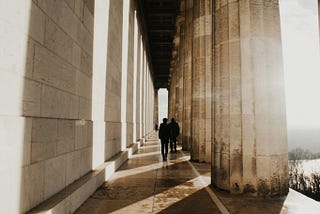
(163, 104)
(300, 40)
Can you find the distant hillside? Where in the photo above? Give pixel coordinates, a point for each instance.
(304, 138)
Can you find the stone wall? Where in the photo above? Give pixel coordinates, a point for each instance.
(61, 84)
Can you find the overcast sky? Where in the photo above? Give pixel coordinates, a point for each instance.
(163, 104)
(300, 39)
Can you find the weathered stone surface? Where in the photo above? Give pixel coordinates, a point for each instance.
(37, 24)
(55, 175)
(73, 167)
(187, 79)
(59, 104)
(201, 81)
(31, 98)
(249, 102)
(66, 136)
(50, 69)
(32, 191)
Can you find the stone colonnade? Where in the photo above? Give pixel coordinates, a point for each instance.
(233, 92)
(76, 90)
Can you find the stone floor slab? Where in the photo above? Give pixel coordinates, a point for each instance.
(146, 184)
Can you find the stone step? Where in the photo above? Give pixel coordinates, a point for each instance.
(71, 197)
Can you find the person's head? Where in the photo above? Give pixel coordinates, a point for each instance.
(172, 120)
(165, 120)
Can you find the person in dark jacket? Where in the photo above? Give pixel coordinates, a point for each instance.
(174, 133)
(164, 135)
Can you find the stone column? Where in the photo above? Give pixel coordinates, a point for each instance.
(143, 74)
(180, 67)
(156, 108)
(172, 91)
(201, 81)
(319, 17)
(139, 89)
(187, 76)
(169, 95)
(250, 136)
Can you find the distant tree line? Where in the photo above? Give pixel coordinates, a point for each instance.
(307, 185)
(302, 154)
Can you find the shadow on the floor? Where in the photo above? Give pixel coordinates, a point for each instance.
(143, 180)
(199, 202)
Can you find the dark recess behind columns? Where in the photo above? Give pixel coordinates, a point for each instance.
(158, 18)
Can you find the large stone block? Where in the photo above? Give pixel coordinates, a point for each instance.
(28, 71)
(84, 38)
(88, 19)
(55, 175)
(32, 185)
(85, 109)
(66, 136)
(50, 69)
(84, 85)
(76, 55)
(83, 134)
(86, 63)
(85, 160)
(71, 3)
(61, 14)
(37, 24)
(58, 41)
(79, 5)
(44, 130)
(31, 98)
(44, 139)
(113, 104)
(59, 104)
(113, 139)
(43, 151)
(78, 197)
(73, 166)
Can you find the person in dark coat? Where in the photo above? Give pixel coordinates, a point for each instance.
(174, 133)
(164, 135)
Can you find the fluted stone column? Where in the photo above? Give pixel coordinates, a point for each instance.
(156, 108)
(250, 136)
(180, 67)
(172, 90)
(187, 76)
(201, 81)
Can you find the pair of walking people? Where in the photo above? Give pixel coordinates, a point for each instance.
(168, 132)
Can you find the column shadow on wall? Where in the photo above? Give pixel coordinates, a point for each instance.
(56, 101)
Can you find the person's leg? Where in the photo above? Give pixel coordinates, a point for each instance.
(162, 149)
(175, 144)
(171, 145)
(166, 148)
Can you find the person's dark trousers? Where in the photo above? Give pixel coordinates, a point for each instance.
(173, 144)
(164, 148)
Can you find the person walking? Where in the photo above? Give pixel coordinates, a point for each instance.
(174, 133)
(164, 135)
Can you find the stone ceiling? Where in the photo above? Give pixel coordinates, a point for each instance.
(159, 17)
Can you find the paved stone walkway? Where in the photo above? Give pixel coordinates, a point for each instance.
(146, 184)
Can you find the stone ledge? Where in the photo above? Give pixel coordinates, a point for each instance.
(71, 197)
(296, 203)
